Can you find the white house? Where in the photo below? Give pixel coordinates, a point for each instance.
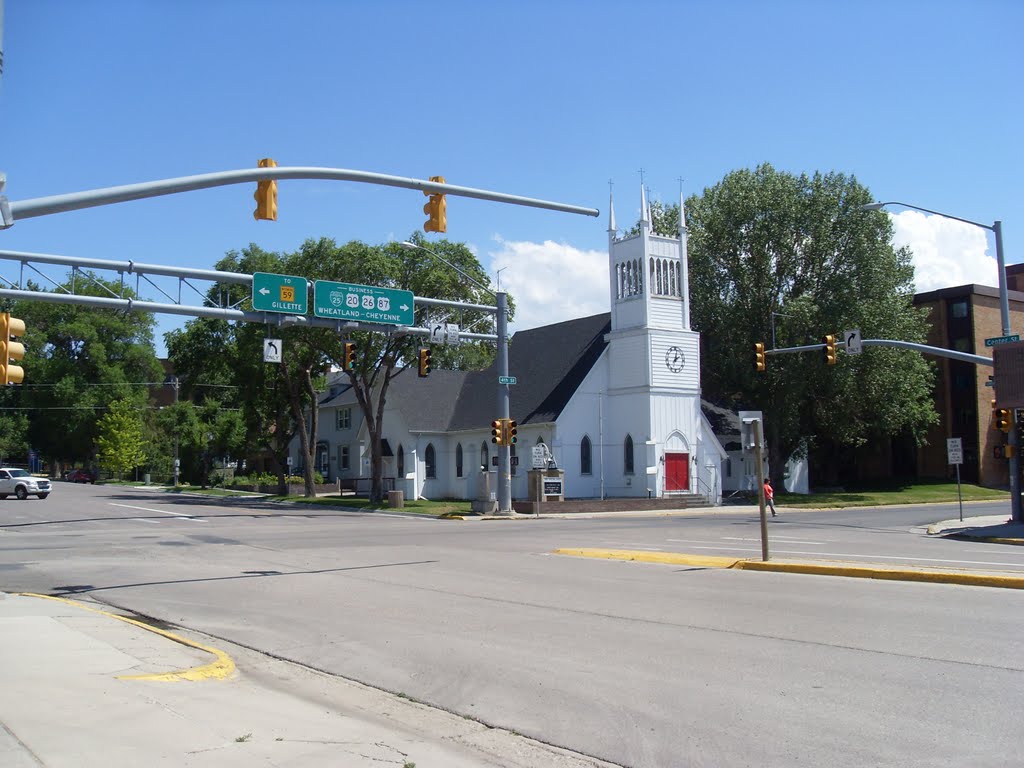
(615, 397)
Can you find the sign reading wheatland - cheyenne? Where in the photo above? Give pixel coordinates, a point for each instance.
(362, 303)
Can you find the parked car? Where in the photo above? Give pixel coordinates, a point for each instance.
(81, 476)
(22, 484)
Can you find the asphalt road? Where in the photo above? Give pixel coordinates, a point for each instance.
(642, 665)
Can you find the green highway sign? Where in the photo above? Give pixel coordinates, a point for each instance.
(279, 293)
(362, 303)
(506, 379)
(1002, 340)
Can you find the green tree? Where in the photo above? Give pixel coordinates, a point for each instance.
(769, 249)
(121, 443)
(78, 360)
(381, 355)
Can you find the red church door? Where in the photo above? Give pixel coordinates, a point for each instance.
(677, 472)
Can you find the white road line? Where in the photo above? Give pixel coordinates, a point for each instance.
(790, 539)
(160, 511)
(876, 557)
(144, 520)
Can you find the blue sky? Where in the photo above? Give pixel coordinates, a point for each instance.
(920, 100)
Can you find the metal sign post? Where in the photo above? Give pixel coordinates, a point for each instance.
(955, 454)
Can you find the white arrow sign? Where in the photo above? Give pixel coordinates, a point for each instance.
(264, 291)
(852, 339)
(271, 350)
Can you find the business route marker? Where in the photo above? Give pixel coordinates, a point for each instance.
(364, 303)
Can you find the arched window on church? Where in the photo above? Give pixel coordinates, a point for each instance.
(639, 276)
(679, 279)
(430, 459)
(485, 458)
(627, 455)
(458, 460)
(400, 462)
(674, 287)
(586, 462)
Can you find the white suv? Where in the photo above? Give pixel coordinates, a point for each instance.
(22, 484)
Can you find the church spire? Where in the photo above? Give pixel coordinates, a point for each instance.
(611, 211)
(645, 213)
(684, 260)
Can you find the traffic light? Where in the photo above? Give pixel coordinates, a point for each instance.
(510, 432)
(266, 195)
(1004, 419)
(498, 431)
(437, 209)
(11, 350)
(759, 361)
(829, 350)
(424, 362)
(349, 356)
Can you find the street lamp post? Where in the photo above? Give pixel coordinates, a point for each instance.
(501, 311)
(1004, 311)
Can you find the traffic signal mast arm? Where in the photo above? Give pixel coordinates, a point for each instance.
(922, 348)
(11, 211)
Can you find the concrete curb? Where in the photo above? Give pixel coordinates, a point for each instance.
(817, 569)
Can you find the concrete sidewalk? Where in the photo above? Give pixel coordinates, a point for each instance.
(998, 529)
(81, 686)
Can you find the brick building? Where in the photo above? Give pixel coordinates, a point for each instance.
(962, 318)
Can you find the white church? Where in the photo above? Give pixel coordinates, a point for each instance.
(615, 398)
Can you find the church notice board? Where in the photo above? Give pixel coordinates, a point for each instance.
(1008, 374)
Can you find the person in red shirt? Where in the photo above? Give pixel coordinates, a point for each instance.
(769, 496)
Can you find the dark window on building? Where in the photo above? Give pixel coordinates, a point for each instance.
(458, 460)
(627, 455)
(485, 458)
(958, 308)
(586, 465)
(430, 460)
(400, 461)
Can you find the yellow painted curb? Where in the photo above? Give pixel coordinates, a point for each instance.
(818, 569)
(216, 670)
(668, 558)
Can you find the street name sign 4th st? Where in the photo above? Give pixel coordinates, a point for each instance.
(280, 293)
(362, 303)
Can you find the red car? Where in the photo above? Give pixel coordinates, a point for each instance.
(82, 476)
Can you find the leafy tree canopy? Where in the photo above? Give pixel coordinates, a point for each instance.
(795, 255)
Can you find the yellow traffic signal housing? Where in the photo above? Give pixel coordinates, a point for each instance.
(266, 195)
(424, 362)
(829, 350)
(436, 210)
(498, 431)
(1004, 420)
(11, 350)
(759, 360)
(349, 356)
(511, 430)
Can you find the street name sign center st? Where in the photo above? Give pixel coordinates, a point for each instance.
(339, 301)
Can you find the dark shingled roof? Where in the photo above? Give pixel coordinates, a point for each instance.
(549, 364)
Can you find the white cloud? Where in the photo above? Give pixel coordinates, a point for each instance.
(946, 252)
(551, 282)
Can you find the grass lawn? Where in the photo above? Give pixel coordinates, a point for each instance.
(909, 493)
